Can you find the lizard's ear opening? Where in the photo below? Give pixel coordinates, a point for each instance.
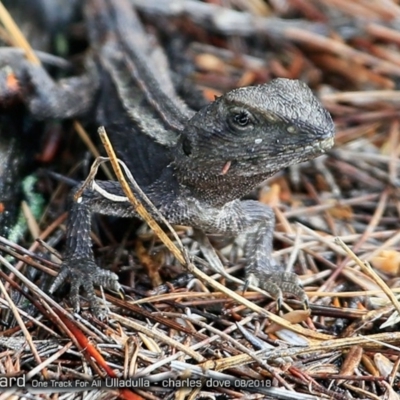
(186, 146)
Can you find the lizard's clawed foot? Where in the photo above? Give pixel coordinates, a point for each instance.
(277, 283)
(84, 273)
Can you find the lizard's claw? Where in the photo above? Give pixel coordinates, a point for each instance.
(72, 269)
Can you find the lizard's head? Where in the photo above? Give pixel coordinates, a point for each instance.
(253, 132)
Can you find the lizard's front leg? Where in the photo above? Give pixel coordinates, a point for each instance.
(79, 266)
(261, 269)
(256, 221)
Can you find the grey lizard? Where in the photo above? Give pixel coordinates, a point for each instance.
(195, 167)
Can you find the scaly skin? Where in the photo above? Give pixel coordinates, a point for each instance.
(194, 167)
(194, 191)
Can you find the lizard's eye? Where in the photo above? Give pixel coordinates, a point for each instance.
(240, 120)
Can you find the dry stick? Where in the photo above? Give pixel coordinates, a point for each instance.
(141, 210)
(329, 242)
(199, 345)
(350, 294)
(302, 211)
(368, 269)
(354, 8)
(362, 98)
(225, 337)
(378, 341)
(43, 236)
(35, 321)
(394, 134)
(383, 32)
(362, 393)
(92, 148)
(30, 220)
(296, 249)
(48, 361)
(373, 223)
(340, 49)
(221, 296)
(25, 331)
(17, 35)
(393, 375)
(53, 308)
(161, 336)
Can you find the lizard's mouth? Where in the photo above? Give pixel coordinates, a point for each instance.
(316, 147)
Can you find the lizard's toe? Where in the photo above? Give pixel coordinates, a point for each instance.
(60, 278)
(86, 274)
(277, 283)
(74, 294)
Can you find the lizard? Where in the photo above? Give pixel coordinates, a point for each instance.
(194, 166)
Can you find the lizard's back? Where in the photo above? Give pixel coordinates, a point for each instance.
(137, 103)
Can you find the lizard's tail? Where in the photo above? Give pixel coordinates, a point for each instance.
(105, 17)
